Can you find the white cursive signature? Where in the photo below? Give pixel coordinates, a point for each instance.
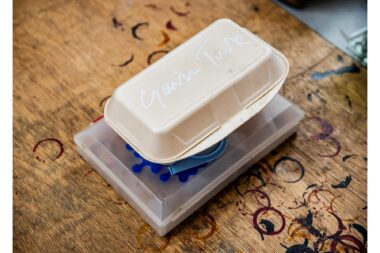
(218, 56)
(147, 99)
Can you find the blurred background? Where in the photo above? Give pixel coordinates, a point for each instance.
(342, 22)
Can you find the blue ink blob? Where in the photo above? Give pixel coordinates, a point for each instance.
(347, 69)
(156, 168)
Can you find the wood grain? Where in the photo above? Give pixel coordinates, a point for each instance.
(66, 61)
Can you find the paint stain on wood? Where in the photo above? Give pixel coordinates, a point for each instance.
(344, 183)
(136, 27)
(340, 71)
(124, 64)
(298, 165)
(346, 157)
(348, 99)
(170, 26)
(165, 38)
(104, 100)
(117, 24)
(60, 151)
(151, 6)
(179, 13)
(154, 53)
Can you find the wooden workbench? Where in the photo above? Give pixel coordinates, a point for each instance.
(68, 58)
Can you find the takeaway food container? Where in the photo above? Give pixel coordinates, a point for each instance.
(197, 94)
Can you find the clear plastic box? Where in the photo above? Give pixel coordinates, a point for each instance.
(165, 204)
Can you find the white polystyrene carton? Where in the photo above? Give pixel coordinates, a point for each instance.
(197, 94)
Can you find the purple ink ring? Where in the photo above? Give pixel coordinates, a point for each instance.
(266, 209)
(359, 245)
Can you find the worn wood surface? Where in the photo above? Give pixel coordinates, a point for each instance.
(67, 57)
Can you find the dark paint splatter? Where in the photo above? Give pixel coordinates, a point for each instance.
(265, 210)
(309, 96)
(170, 26)
(306, 221)
(300, 248)
(255, 8)
(311, 186)
(346, 157)
(339, 58)
(362, 230)
(104, 100)
(179, 13)
(152, 6)
(165, 39)
(136, 27)
(347, 69)
(150, 56)
(127, 61)
(314, 231)
(61, 149)
(269, 226)
(344, 183)
(299, 165)
(348, 101)
(117, 24)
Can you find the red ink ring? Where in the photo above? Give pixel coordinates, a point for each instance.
(359, 245)
(49, 139)
(266, 209)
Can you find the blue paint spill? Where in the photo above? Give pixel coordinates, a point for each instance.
(162, 170)
(347, 69)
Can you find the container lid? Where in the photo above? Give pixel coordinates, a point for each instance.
(197, 94)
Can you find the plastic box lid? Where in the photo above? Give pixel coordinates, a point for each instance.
(197, 94)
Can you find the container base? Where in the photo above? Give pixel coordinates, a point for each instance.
(165, 204)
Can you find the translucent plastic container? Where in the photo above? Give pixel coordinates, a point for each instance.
(165, 204)
(197, 94)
